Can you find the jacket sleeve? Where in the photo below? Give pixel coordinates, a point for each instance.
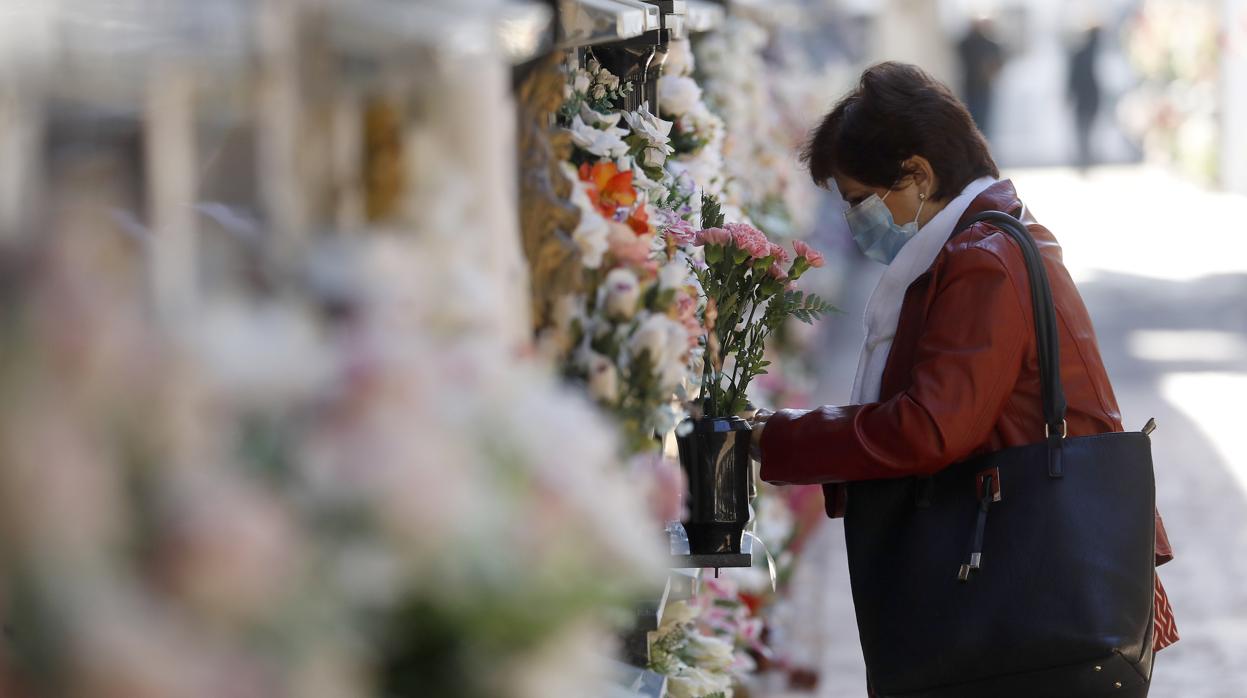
(967, 361)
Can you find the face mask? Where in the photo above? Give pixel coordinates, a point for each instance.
(874, 231)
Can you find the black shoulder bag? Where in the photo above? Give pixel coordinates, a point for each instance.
(1023, 573)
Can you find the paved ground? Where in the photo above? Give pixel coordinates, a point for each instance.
(1163, 267)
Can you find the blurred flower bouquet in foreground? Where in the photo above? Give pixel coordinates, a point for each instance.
(336, 488)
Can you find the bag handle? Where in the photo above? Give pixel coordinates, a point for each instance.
(1046, 333)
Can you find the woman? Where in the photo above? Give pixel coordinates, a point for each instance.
(949, 367)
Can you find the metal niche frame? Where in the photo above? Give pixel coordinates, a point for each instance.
(591, 22)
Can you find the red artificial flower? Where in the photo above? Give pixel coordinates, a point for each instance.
(611, 188)
(639, 220)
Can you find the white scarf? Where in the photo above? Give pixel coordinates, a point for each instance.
(883, 310)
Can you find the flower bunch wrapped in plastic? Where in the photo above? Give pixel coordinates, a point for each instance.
(697, 663)
(731, 615)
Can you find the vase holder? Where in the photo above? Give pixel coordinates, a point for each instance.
(714, 453)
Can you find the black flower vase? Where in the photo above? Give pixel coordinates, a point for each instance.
(714, 453)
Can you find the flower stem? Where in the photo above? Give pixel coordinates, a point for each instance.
(735, 395)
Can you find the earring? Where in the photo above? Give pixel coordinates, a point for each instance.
(922, 197)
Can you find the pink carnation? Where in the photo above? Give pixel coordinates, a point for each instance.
(750, 239)
(779, 253)
(713, 236)
(778, 272)
(813, 256)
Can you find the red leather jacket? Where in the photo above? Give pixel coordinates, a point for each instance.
(962, 377)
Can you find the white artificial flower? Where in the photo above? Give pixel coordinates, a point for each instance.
(603, 378)
(608, 79)
(673, 275)
(666, 342)
(607, 143)
(591, 235)
(679, 58)
(705, 123)
(623, 291)
(709, 652)
(655, 191)
(650, 337)
(594, 66)
(581, 82)
(678, 94)
(599, 91)
(654, 130)
(597, 119)
(653, 157)
(705, 168)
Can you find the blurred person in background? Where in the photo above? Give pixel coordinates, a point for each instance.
(1084, 92)
(981, 60)
(949, 369)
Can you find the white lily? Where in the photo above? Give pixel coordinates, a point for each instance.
(656, 191)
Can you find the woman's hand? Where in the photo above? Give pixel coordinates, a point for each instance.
(757, 425)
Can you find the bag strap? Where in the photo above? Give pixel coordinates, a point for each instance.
(1047, 336)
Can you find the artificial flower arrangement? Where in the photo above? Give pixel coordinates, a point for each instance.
(633, 336)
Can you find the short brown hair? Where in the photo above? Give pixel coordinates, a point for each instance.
(895, 112)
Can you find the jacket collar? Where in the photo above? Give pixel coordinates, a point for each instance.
(1000, 196)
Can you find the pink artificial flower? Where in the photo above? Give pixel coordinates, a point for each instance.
(777, 272)
(713, 236)
(627, 247)
(813, 256)
(779, 253)
(750, 239)
(681, 231)
(686, 313)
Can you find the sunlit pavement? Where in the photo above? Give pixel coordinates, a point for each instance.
(1162, 264)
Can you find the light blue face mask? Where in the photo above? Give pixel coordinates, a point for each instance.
(874, 231)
